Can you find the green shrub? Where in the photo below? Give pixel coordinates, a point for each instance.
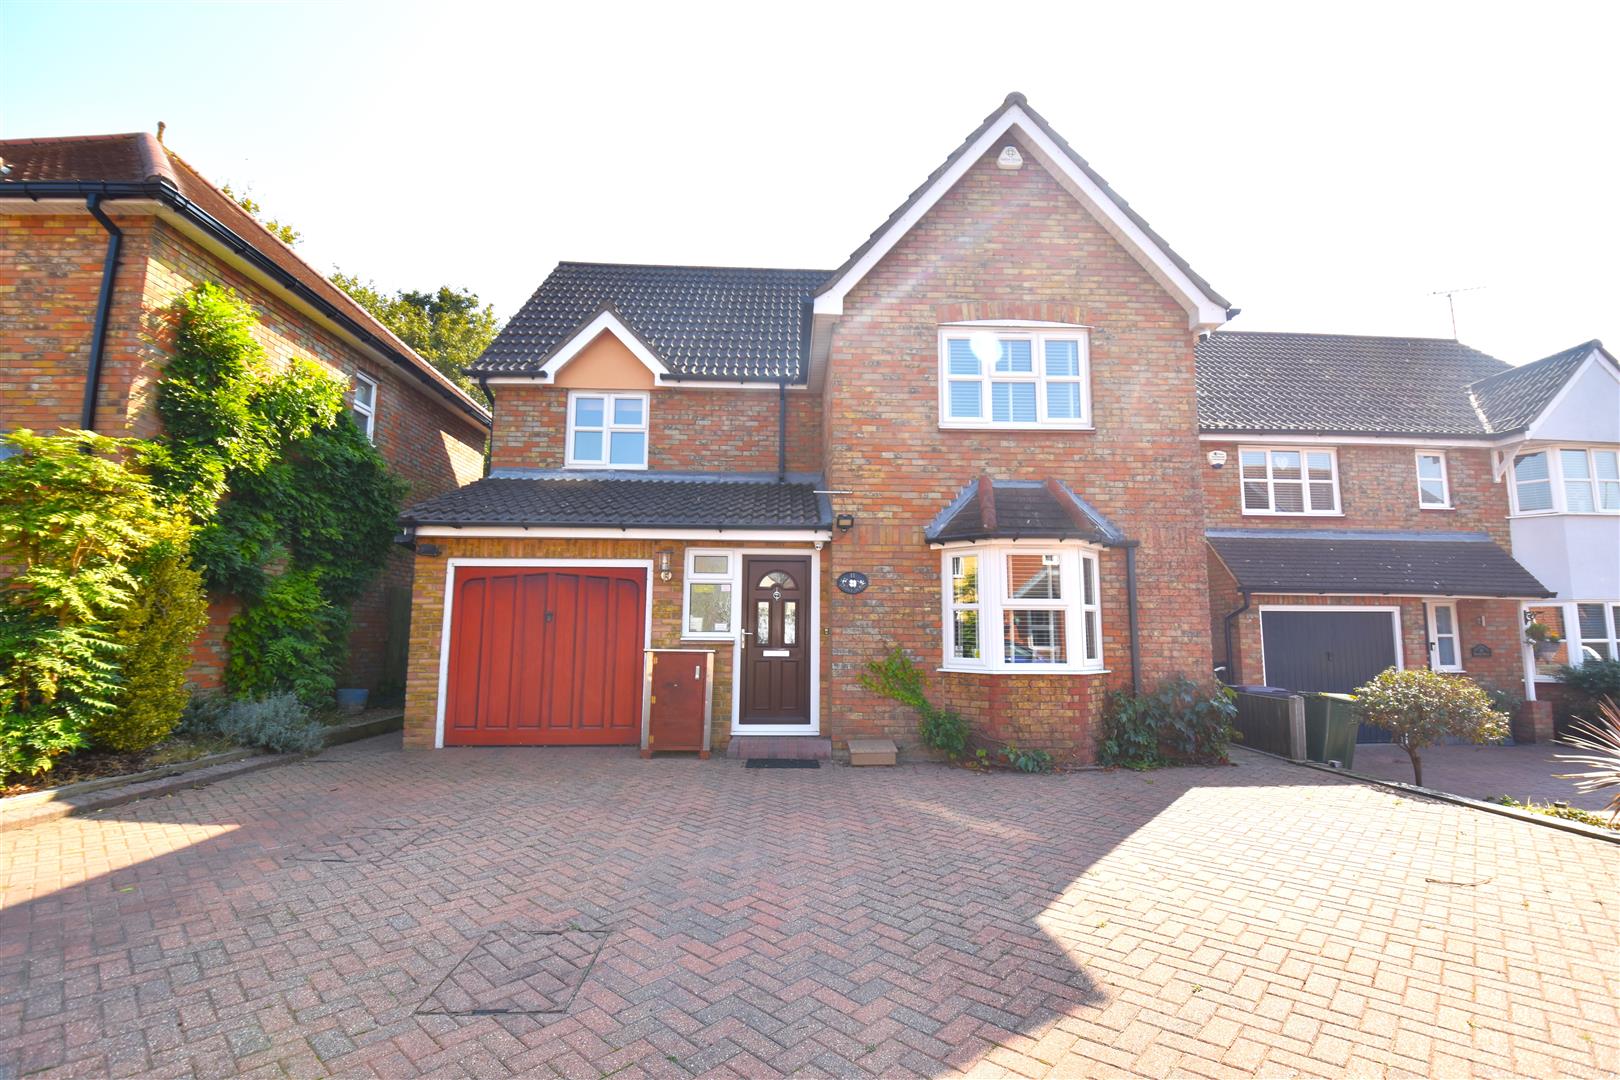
(290, 640)
(897, 677)
(1595, 679)
(1180, 722)
(155, 634)
(279, 723)
(1419, 707)
(1027, 760)
(77, 517)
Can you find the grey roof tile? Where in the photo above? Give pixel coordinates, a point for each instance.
(1337, 384)
(1028, 509)
(1372, 563)
(649, 500)
(704, 322)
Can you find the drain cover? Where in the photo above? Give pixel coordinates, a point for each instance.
(518, 971)
(782, 763)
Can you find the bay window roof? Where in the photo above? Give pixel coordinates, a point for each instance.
(1021, 510)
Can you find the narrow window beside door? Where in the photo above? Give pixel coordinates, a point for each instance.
(1444, 647)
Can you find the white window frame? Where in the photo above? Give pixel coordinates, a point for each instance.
(607, 429)
(1270, 481)
(1577, 640)
(691, 576)
(1434, 636)
(1075, 560)
(369, 412)
(1559, 483)
(1037, 334)
(1445, 479)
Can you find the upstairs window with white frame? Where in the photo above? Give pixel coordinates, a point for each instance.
(1289, 480)
(1434, 484)
(607, 431)
(1013, 608)
(1567, 480)
(1006, 377)
(363, 405)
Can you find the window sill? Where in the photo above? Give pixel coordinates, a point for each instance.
(1449, 509)
(584, 466)
(945, 425)
(710, 639)
(1026, 669)
(1280, 514)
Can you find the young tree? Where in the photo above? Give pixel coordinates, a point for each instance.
(281, 231)
(449, 327)
(1420, 707)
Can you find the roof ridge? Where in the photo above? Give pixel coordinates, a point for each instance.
(691, 266)
(1354, 337)
(72, 138)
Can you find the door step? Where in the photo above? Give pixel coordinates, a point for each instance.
(779, 747)
(872, 751)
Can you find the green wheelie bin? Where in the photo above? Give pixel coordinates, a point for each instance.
(1330, 729)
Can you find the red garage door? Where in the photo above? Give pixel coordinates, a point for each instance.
(545, 656)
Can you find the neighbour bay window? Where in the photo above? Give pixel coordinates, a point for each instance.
(1008, 607)
(1598, 632)
(1567, 480)
(1017, 377)
(1288, 480)
(607, 431)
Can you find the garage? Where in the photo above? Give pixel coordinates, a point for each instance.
(544, 655)
(1334, 651)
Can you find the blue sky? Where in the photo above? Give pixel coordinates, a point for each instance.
(1325, 167)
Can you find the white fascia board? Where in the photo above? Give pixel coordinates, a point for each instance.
(543, 532)
(1352, 440)
(1203, 313)
(610, 322)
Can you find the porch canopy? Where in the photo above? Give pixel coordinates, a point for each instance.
(1345, 562)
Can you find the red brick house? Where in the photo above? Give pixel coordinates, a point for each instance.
(988, 438)
(100, 235)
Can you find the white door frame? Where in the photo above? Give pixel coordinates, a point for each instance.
(814, 726)
(1433, 636)
(1393, 610)
(450, 567)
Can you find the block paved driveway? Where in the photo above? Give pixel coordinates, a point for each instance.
(673, 918)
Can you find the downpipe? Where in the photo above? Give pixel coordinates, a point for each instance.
(98, 333)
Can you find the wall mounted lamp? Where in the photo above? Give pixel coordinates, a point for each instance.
(845, 522)
(666, 559)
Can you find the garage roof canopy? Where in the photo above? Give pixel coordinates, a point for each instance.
(1372, 563)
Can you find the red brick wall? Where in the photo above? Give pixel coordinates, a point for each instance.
(688, 430)
(50, 273)
(1377, 490)
(1010, 245)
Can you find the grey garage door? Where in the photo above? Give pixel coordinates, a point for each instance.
(1333, 651)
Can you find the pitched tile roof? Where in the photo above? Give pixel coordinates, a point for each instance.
(704, 322)
(1372, 563)
(1021, 509)
(1510, 400)
(138, 157)
(1338, 384)
(642, 500)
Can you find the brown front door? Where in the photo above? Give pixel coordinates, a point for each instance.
(777, 626)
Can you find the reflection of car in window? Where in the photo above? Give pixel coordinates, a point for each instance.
(1589, 653)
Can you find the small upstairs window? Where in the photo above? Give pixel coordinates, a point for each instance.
(607, 431)
(1434, 486)
(1011, 377)
(363, 407)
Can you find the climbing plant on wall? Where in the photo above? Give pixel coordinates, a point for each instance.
(295, 508)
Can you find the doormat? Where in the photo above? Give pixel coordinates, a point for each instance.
(782, 763)
(517, 972)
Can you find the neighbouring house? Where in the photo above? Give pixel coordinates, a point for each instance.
(986, 438)
(1404, 501)
(100, 235)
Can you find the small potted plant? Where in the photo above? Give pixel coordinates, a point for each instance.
(1542, 639)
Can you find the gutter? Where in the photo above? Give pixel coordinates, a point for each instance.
(1226, 629)
(1130, 547)
(781, 432)
(170, 197)
(98, 333)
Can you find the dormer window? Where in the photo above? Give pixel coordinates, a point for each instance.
(607, 431)
(1014, 377)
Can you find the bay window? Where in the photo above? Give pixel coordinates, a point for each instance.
(1597, 633)
(1011, 607)
(1017, 377)
(607, 431)
(1288, 480)
(1567, 480)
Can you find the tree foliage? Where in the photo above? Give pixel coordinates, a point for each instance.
(77, 518)
(897, 677)
(280, 230)
(1420, 707)
(450, 328)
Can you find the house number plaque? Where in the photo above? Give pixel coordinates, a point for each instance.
(1480, 650)
(852, 582)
